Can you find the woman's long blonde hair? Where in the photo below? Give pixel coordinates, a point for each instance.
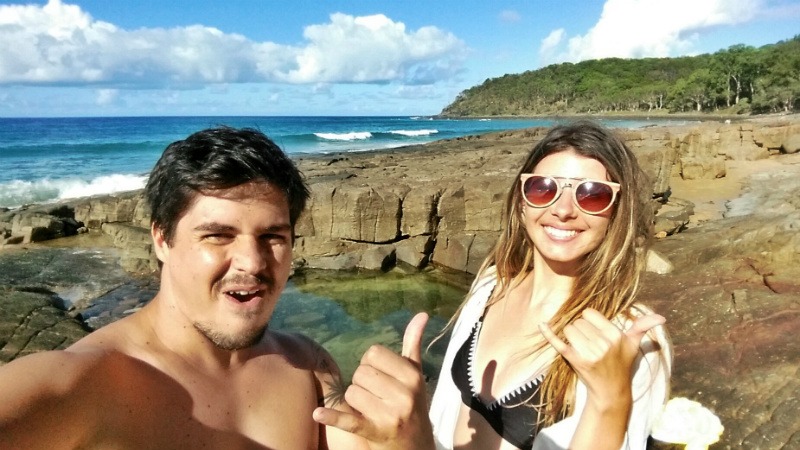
(608, 277)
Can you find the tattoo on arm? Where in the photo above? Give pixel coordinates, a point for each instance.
(336, 390)
(336, 386)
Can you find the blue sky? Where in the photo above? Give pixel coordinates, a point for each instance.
(313, 57)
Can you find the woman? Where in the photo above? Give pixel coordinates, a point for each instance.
(549, 349)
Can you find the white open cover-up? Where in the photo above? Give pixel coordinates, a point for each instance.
(650, 384)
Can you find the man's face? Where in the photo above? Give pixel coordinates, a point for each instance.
(228, 262)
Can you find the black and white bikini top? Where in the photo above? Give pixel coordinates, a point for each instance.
(511, 416)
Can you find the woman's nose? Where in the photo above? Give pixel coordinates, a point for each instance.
(564, 208)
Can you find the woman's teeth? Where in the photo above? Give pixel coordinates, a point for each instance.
(559, 233)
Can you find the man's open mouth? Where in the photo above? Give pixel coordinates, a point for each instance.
(244, 296)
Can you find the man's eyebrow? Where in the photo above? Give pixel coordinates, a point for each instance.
(281, 227)
(214, 227)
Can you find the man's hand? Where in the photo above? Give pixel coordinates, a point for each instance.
(388, 397)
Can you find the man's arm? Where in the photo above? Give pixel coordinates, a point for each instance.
(45, 402)
(387, 403)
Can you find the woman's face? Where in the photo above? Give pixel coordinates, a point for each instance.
(562, 234)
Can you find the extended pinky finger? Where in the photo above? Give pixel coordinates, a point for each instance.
(348, 422)
(559, 345)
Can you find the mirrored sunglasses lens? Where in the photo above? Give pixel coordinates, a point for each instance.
(593, 197)
(540, 191)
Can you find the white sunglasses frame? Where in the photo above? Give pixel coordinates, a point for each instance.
(572, 183)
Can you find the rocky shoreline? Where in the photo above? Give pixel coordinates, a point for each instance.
(724, 266)
(436, 204)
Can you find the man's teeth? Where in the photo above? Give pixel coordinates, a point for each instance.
(559, 233)
(243, 292)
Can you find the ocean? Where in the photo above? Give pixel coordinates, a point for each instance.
(48, 159)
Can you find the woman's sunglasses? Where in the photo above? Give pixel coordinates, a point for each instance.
(590, 196)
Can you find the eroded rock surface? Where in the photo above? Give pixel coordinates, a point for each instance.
(733, 308)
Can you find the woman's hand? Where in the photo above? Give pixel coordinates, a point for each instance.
(602, 356)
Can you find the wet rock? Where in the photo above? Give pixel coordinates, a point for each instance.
(378, 257)
(51, 297)
(414, 251)
(31, 322)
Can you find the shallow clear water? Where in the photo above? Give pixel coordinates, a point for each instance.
(347, 313)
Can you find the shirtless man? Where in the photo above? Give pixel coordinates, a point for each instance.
(197, 367)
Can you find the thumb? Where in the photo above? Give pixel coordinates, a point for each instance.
(642, 325)
(412, 339)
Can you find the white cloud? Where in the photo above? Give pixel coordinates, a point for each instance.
(59, 44)
(651, 28)
(106, 97)
(374, 49)
(509, 16)
(551, 43)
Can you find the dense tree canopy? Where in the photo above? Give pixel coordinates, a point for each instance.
(740, 79)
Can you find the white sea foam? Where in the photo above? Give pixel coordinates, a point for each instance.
(17, 192)
(353, 136)
(414, 133)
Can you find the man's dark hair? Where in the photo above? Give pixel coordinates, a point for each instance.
(219, 158)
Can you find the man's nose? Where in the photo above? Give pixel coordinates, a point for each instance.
(250, 255)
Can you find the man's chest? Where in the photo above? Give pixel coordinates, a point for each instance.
(248, 410)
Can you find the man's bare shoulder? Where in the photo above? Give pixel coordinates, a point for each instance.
(62, 372)
(114, 337)
(79, 370)
(305, 353)
(55, 390)
(57, 370)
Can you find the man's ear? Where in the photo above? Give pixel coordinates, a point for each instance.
(160, 246)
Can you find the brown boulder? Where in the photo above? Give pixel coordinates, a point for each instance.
(791, 144)
(122, 207)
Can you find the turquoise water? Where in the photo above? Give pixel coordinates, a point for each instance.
(46, 159)
(347, 313)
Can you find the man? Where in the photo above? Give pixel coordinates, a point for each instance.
(198, 367)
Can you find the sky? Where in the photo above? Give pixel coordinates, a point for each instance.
(63, 58)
